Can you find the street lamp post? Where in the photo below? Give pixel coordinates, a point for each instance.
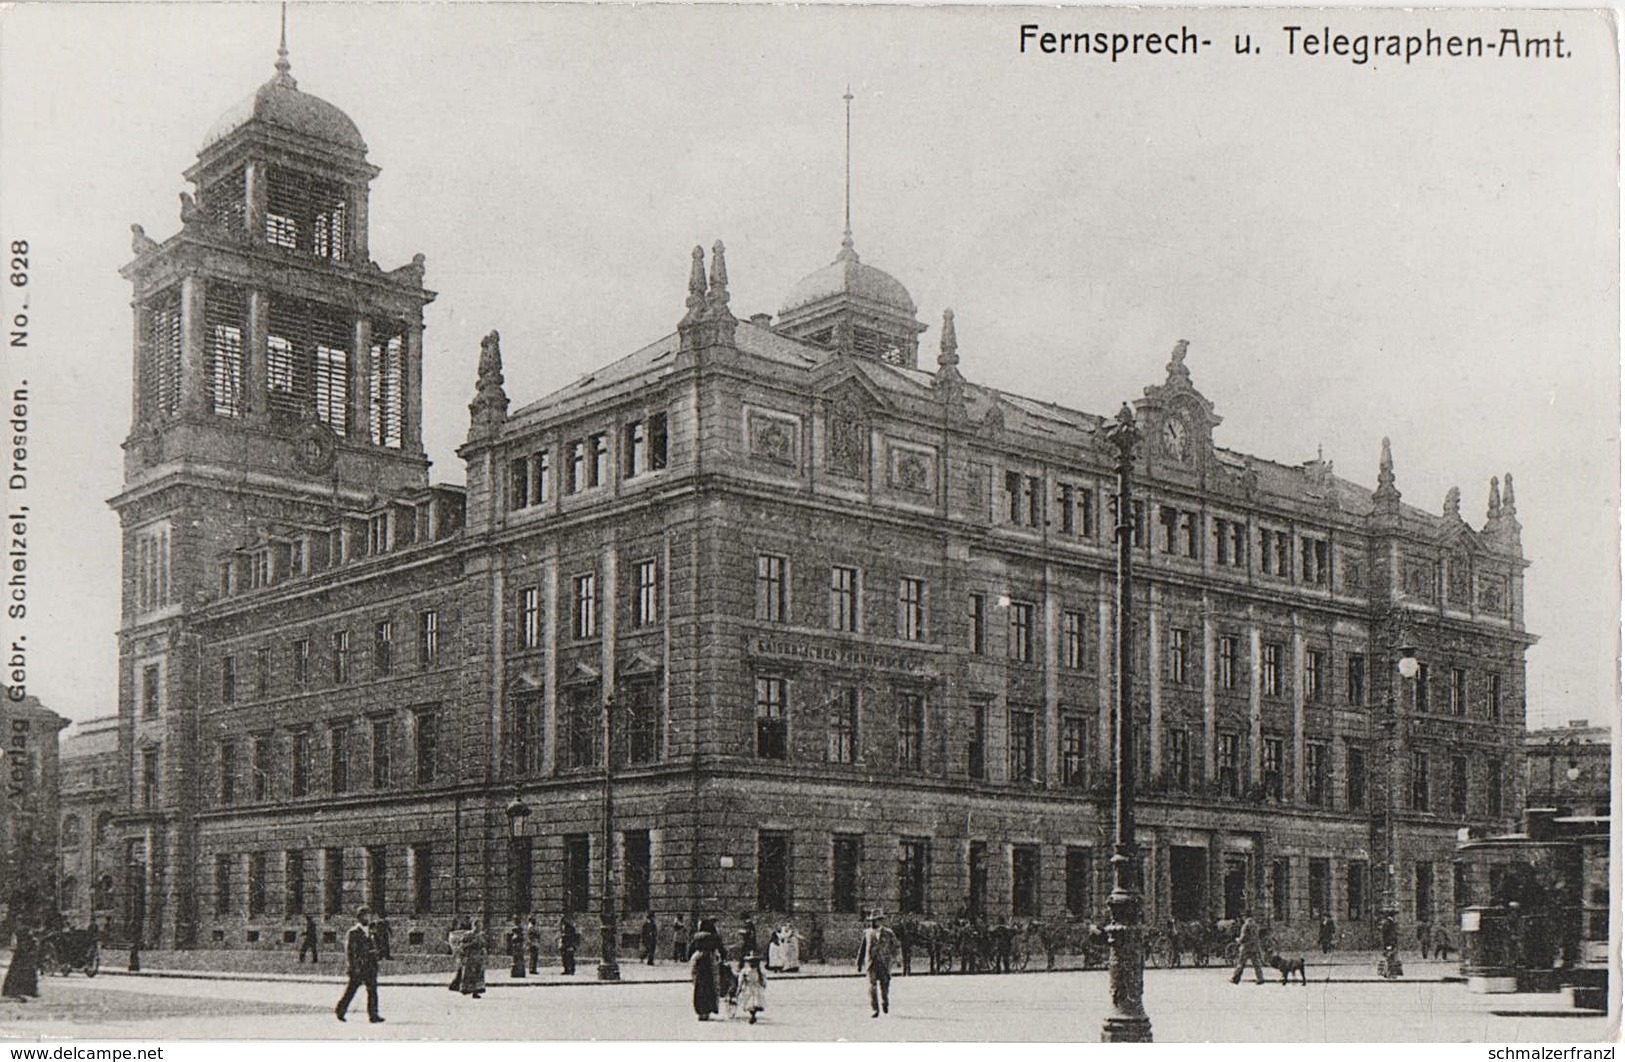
(1408, 667)
(609, 967)
(1127, 1022)
(518, 887)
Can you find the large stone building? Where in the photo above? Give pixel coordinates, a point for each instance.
(89, 861)
(1570, 768)
(30, 771)
(849, 619)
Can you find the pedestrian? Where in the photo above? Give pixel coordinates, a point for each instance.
(1424, 937)
(22, 976)
(107, 932)
(1443, 946)
(470, 948)
(516, 948)
(381, 932)
(679, 940)
(361, 966)
(748, 932)
(1328, 933)
(308, 941)
(649, 939)
(752, 986)
(569, 940)
(454, 944)
(533, 943)
(790, 948)
(706, 957)
(875, 956)
(1247, 950)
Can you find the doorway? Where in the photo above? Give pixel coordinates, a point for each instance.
(1187, 878)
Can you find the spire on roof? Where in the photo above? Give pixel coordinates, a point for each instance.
(948, 383)
(718, 297)
(489, 409)
(1509, 504)
(949, 356)
(1493, 513)
(1452, 504)
(1386, 495)
(696, 285)
(282, 65)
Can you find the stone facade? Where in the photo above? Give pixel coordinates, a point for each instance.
(89, 864)
(31, 768)
(1570, 767)
(848, 622)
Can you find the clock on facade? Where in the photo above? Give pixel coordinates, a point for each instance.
(1175, 439)
(313, 449)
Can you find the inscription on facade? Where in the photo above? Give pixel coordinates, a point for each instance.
(835, 654)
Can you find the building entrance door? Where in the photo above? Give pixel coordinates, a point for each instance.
(1235, 885)
(1187, 878)
(135, 891)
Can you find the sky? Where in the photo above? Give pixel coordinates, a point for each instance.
(1427, 251)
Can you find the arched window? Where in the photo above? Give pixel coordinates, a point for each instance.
(72, 831)
(70, 892)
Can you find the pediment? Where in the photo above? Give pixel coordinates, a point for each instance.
(639, 663)
(840, 383)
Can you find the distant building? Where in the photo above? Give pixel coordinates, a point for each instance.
(29, 769)
(89, 866)
(850, 618)
(1570, 767)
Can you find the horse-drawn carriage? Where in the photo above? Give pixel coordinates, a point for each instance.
(65, 950)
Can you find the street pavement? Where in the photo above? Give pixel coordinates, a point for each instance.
(1185, 1005)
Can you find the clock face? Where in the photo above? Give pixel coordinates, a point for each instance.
(313, 449)
(1175, 440)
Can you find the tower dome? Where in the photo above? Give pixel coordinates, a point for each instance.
(854, 308)
(850, 277)
(279, 103)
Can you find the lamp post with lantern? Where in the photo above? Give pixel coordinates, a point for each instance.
(609, 966)
(518, 871)
(1408, 667)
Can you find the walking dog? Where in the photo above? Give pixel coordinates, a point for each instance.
(1288, 967)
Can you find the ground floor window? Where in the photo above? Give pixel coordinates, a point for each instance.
(577, 871)
(913, 872)
(1024, 900)
(773, 871)
(846, 854)
(1359, 872)
(635, 860)
(1080, 875)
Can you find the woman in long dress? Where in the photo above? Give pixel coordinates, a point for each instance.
(706, 954)
(22, 976)
(471, 967)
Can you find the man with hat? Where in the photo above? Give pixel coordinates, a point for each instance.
(875, 957)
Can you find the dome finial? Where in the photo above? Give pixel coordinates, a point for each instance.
(282, 64)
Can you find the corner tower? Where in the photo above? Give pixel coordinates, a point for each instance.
(277, 379)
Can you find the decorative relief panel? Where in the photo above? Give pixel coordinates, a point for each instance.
(774, 437)
(1352, 569)
(912, 468)
(846, 440)
(1418, 579)
(1492, 594)
(1459, 582)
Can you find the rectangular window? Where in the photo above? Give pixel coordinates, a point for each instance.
(262, 767)
(428, 637)
(843, 599)
(1080, 880)
(598, 471)
(1280, 889)
(1230, 765)
(1273, 767)
(377, 878)
(1190, 534)
(1314, 552)
(222, 884)
(1314, 675)
(773, 871)
(577, 872)
(526, 735)
(643, 722)
(426, 743)
(1314, 774)
(1012, 490)
(976, 872)
(1086, 512)
(1354, 691)
(518, 483)
(421, 856)
(635, 450)
(1076, 644)
(772, 588)
(636, 859)
(770, 721)
(977, 758)
(1358, 873)
(977, 608)
(1424, 891)
(1320, 886)
(1356, 781)
(585, 612)
(528, 618)
(1419, 781)
(1424, 698)
(540, 478)
(228, 680)
(575, 473)
(1068, 510)
(293, 882)
(151, 692)
(228, 773)
(1141, 532)
(262, 671)
(338, 743)
(1074, 752)
(913, 875)
(846, 855)
(1179, 656)
(333, 881)
(657, 442)
(843, 726)
(383, 647)
(301, 661)
(1024, 880)
(1226, 662)
(1458, 786)
(1492, 786)
(1495, 698)
(1272, 670)
(256, 884)
(646, 606)
(1168, 519)
(911, 609)
(1021, 632)
(341, 656)
(299, 775)
(380, 753)
(1021, 746)
(582, 722)
(1179, 758)
(1458, 692)
(910, 731)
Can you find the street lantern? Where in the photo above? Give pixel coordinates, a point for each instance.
(518, 877)
(1127, 1021)
(517, 811)
(609, 967)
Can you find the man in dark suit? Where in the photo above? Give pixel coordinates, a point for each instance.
(875, 956)
(361, 964)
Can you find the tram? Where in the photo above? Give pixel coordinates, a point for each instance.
(1534, 907)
